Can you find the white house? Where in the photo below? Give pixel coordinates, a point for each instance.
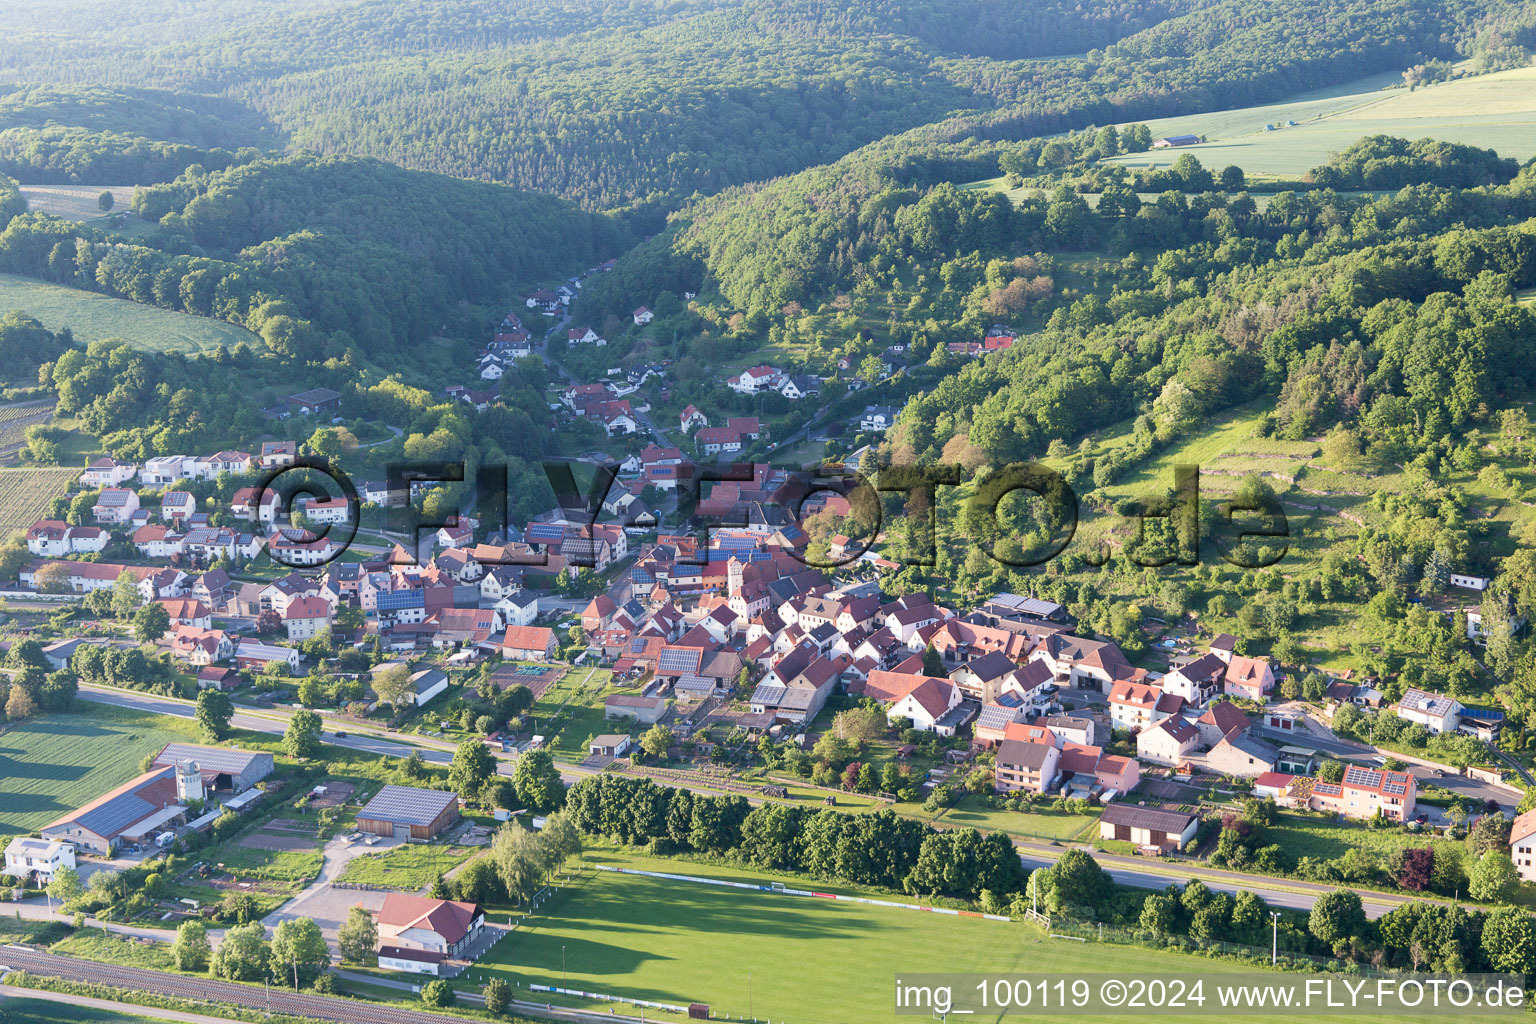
(115, 505)
(38, 857)
(643, 316)
(518, 608)
(587, 336)
(926, 706)
(1435, 712)
(754, 379)
(1522, 846)
(108, 472)
(163, 469)
(878, 417)
(54, 538)
(1167, 742)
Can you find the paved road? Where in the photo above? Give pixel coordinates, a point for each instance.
(1132, 871)
(1150, 874)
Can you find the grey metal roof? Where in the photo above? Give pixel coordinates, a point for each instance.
(406, 805)
(210, 759)
(1154, 818)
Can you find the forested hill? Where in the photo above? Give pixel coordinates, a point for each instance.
(618, 104)
(321, 255)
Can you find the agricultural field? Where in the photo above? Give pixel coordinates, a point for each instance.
(91, 317)
(16, 417)
(679, 942)
(55, 763)
(26, 493)
(1497, 111)
(37, 1010)
(76, 202)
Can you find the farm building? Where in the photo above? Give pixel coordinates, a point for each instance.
(645, 710)
(528, 643)
(1147, 826)
(220, 767)
(405, 812)
(130, 813)
(611, 744)
(1176, 140)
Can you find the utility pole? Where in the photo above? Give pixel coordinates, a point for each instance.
(563, 982)
(749, 995)
(1274, 937)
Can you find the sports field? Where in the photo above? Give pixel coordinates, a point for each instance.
(1496, 111)
(811, 961)
(91, 317)
(55, 763)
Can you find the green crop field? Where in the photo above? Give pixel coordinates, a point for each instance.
(36, 1010)
(91, 317)
(811, 961)
(26, 493)
(55, 763)
(1496, 111)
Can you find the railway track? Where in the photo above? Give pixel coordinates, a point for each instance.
(209, 990)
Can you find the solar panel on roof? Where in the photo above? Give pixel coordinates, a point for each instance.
(637, 645)
(405, 805)
(678, 661)
(112, 817)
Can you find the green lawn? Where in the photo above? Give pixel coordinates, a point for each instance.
(1039, 824)
(91, 317)
(111, 948)
(53, 764)
(408, 867)
(1305, 836)
(678, 942)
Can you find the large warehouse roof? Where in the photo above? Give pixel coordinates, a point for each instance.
(406, 805)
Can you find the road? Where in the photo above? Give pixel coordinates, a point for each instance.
(1137, 871)
(1145, 873)
(208, 990)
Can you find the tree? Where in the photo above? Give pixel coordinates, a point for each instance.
(105, 201)
(302, 737)
(1078, 882)
(298, 951)
(357, 937)
(560, 839)
(437, 993)
(19, 705)
(1337, 916)
(1490, 833)
(1418, 869)
(191, 950)
(1159, 914)
(518, 860)
(313, 691)
(497, 997)
(656, 741)
(214, 710)
(1493, 878)
(52, 578)
(538, 782)
(472, 765)
(1509, 941)
(65, 885)
(151, 622)
(1331, 771)
(933, 665)
(392, 685)
(125, 595)
(242, 956)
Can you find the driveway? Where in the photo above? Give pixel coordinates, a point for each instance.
(321, 900)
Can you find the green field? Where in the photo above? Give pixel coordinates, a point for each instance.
(408, 868)
(1496, 111)
(25, 494)
(30, 1010)
(91, 317)
(811, 961)
(53, 764)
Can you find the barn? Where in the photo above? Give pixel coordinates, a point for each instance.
(405, 812)
(221, 767)
(1147, 826)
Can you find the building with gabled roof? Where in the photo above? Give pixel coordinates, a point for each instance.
(129, 813)
(406, 812)
(446, 927)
